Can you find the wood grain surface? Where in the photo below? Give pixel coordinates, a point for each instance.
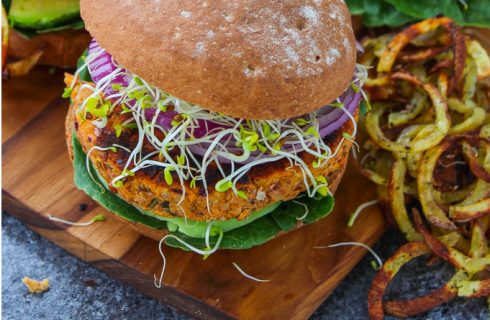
(38, 180)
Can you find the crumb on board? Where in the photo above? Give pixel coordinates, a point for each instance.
(35, 286)
(90, 282)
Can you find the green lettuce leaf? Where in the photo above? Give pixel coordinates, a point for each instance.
(283, 218)
(378, 13)
(394, 13)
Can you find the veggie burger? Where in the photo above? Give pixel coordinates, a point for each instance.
(224, 122)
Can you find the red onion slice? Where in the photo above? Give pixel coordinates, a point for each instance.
(164, 119)
(102, 66)
(334, 119)
(338, 123)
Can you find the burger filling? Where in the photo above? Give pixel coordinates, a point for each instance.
(187, 140)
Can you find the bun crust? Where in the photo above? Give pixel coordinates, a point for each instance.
(250, 59)
(61, 48)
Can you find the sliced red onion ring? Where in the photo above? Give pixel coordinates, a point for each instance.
(102, 66)
(164, 119)
(330, 127)
(204, 127)
(334, 119)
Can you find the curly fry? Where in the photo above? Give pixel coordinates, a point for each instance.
(470, 212)
(372, 175)
(443, 64)
(459, 49)
(472, 157)
(474, 289)
(403, 255)
(422, 54)
(473, 121)
(433, 133)
(412, 307)
(397, 201)
(479, 245)
(451, 255)
(443, 83)
(442, 122)
(440, 139)
(432, 211)
(481, 58)
(389, 56)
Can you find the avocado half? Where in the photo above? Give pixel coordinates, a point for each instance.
(43, 15)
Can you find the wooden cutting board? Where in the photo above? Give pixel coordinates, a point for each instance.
(38, 180)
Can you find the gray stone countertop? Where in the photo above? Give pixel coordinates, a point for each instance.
(79, 291)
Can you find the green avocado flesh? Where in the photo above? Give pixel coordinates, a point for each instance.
(43, 14)
(197, 229)
(258, 228)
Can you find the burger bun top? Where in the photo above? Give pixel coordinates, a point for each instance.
(251, 59)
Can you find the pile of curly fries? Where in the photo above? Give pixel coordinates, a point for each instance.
(429, 151)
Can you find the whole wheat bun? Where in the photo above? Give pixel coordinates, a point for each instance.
(61, 48)
(251, 59)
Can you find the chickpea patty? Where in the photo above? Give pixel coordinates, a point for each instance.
(148, 190)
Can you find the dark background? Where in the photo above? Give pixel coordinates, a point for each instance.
(79, 291)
